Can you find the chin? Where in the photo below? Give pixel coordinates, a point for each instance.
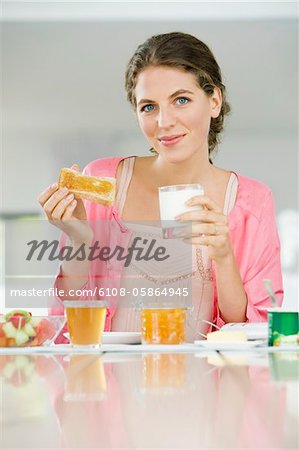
(175, 155)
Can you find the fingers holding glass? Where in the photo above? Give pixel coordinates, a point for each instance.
(208, 229)
(204, 216)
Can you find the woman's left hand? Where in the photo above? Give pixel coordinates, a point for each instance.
(209, 227)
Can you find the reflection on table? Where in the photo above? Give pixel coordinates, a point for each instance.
(179, 400)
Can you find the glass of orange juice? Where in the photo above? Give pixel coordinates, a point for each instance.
(86, 321)
(163, 325)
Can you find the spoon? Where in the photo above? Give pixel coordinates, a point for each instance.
(269, 289)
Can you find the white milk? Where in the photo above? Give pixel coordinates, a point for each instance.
(172, 202)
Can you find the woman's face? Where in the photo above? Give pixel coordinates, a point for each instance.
(174, 113)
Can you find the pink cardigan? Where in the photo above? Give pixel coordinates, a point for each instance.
(253, 235)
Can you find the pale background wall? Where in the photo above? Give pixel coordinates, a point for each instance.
(63, 98)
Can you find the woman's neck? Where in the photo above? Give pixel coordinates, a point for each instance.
(193, 170)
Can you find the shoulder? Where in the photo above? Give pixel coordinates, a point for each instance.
(104, 167)
(253, 196)
(252, 186)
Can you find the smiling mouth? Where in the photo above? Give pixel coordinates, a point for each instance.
(171, 140)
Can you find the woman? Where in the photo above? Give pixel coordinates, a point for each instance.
(174, 84)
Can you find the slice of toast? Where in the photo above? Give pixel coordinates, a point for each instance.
(95, 189)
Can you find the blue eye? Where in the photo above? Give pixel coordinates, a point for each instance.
(182, 100)
(147, 108)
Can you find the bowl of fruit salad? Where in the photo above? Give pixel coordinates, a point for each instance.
(19, 328)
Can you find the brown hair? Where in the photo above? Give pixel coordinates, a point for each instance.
(186, 52)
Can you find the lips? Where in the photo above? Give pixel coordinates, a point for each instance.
(171, 140)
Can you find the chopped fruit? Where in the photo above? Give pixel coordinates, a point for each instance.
(2, 334)
(227, 336)
(33, 343)
(35, 321)
(18, 328)
(18, 321)
(9, 330)
(45, 330)
(21, 337)
(29, 330)
(18, 318)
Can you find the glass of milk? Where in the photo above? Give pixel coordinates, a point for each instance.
(172, 201)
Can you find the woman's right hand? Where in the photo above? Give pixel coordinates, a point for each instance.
(66, 212)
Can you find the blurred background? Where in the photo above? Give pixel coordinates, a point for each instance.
(63, 98)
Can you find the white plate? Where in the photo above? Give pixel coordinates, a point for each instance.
(118, 337)
(233, 346)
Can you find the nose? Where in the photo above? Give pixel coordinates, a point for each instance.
(166, 118)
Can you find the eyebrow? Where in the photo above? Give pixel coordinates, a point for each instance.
(180, 91)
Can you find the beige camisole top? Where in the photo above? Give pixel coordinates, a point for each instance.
(191, 268)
